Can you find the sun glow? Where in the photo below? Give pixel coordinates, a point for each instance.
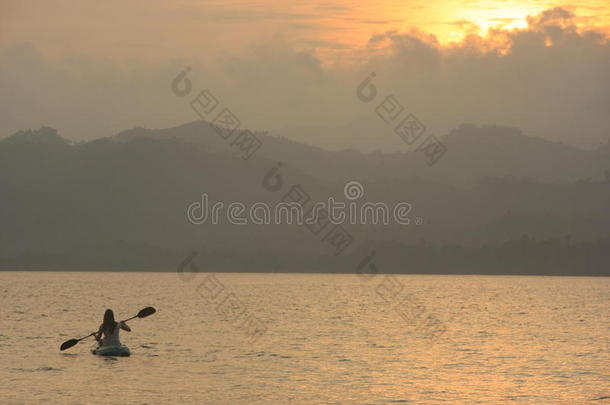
(481, 20)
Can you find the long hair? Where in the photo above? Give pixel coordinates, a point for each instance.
(109, 323)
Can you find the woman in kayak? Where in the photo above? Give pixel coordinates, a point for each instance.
(109, 329)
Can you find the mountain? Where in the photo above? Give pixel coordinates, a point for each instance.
(473, 153)
(43, 136)
(493, 151)
(120, 202)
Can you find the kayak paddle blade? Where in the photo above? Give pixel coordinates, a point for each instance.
(146, 312)
(68, 344)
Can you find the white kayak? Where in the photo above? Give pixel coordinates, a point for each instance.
(111, 350)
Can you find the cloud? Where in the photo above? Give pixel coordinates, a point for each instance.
(557, 16)
(551, 79)
(467, 26)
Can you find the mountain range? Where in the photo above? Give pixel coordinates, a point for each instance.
(119, 203)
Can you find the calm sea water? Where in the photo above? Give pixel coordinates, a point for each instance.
(318, 339)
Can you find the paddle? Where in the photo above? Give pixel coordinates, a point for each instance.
(69, 343)
(142, 314)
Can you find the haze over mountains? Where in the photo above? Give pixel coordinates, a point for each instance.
(497, 201)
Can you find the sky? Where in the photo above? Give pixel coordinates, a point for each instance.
(92, 68)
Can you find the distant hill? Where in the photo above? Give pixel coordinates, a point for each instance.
(43, 136)
(120, 202)
(473, 153)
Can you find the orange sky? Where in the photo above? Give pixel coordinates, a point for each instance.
(156, 30)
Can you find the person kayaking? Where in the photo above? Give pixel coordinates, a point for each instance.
(108, 333)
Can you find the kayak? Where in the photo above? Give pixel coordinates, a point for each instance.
(111, 350)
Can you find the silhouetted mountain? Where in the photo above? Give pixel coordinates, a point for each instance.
(493, 151)
(120, 202)
(43, 136)
(473, 154)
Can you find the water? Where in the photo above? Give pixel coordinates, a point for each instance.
(329, 339)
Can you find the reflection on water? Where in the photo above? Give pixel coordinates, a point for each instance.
(329, 339)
